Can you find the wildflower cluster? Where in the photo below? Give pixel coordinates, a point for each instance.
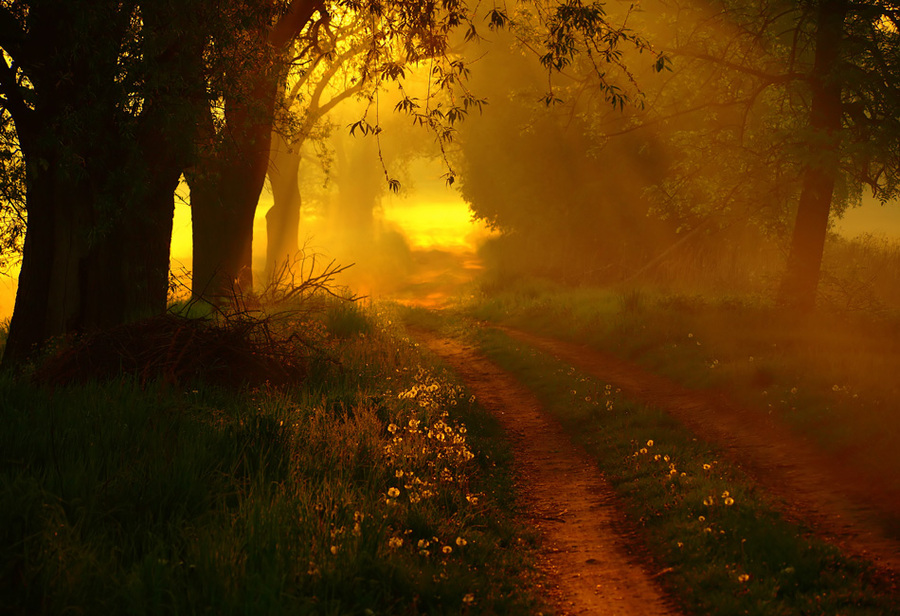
(428, 546)
(676, 478)
(432, 393)
(671, 470)
(427, 454)
(422, 457)
(590, 392)
(424, 454)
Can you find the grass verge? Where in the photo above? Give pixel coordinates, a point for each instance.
(830, 376)
(374, 488)
(724, 550)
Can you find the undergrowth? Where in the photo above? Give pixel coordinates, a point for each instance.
(378, 486)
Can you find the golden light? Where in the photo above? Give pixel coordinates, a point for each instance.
(444, 225)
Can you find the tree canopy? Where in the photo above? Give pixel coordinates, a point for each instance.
(774, 119)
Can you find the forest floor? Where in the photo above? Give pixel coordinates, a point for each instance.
(592, 556)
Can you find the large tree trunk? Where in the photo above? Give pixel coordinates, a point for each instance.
(100, 179)
(29, 326)
(283, 218)
(79, 273)
(225, 189)
(798, 288)
(223, 208)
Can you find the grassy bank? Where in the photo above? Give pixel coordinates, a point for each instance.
(723, 550)
(375, 487)
(830, 375)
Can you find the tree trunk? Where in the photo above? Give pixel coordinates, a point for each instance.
(225, 189)
(222, 210)
(226, 183)
(798, 288)
(283, 218)
(360, 183)
(28, 327)
(100, 179)
(79, 273)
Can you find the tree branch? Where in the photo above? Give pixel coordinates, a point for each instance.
(293, 21)
(12, 99)
(11, 33)
(770, 78)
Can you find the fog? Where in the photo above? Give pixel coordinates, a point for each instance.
(691, 183)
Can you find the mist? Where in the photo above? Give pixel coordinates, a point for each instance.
(398, 307)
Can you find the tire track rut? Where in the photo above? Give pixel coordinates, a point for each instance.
(841, 505)
(587, 554)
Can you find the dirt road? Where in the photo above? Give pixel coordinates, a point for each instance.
(841, 505)
(588, 553)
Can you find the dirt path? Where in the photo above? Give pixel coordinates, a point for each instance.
(842, 506)
(588, 553)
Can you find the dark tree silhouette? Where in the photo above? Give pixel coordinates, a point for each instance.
(810, 97)
(229, 174)
(103, 96)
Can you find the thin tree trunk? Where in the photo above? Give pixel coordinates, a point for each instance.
(283, 218)
(798, 289)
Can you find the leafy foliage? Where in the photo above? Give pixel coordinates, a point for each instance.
(13, 217)
(564, 198)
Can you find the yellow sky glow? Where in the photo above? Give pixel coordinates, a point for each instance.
(438, 224)
(447, 225)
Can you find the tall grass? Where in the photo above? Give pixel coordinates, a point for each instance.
(377, 487)
(862, 276)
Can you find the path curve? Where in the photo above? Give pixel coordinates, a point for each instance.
(587, 553)
(843, 507)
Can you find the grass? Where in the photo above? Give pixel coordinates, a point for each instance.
(725, 550)
(829, 376)
(346, 319)
(375, 487)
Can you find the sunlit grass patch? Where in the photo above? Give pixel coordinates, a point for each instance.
(128, 499)
(724, 550)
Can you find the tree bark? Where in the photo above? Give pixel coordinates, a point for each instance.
(80, 272)
(800, 282)
(225, 189)
(28, 327)
(223, 207)
(226, 184)
(100, 179)
(283, 218)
